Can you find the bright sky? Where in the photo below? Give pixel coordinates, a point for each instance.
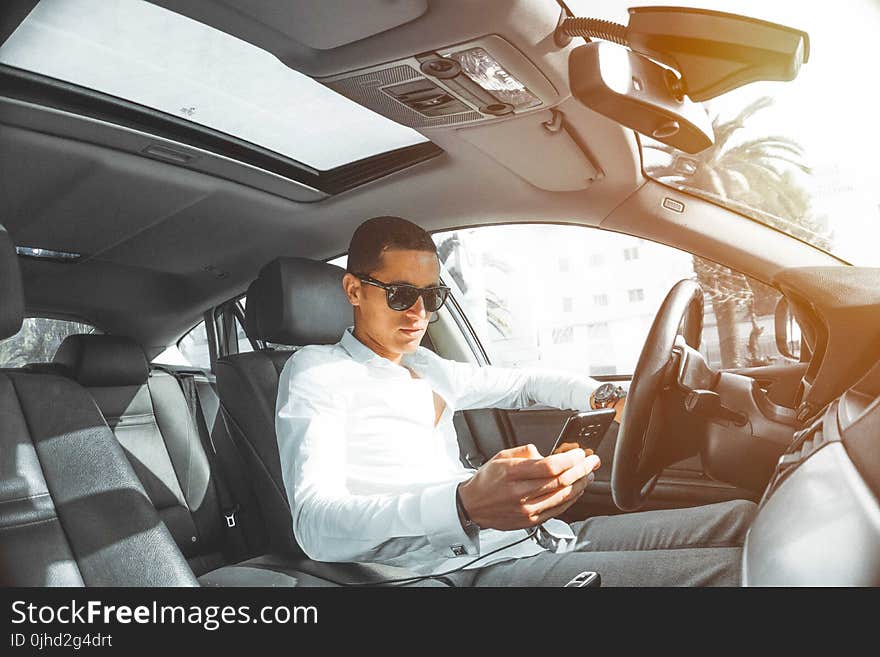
(829, 108)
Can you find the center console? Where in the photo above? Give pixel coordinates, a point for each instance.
(818, 522)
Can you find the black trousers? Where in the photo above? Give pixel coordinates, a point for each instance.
(698, 546)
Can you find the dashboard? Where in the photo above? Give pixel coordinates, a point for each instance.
(838, 310)
(818, 522)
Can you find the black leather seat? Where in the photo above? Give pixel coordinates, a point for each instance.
(72, 510)
(148, 414)
(293, 301)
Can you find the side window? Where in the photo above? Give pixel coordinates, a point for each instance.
(38, 340)
(583, 299)
(191, 350)
(244, 344)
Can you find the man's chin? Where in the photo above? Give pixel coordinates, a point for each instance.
(410, 341)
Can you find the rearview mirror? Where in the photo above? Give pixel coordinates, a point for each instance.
(714, 51)
(637, 92)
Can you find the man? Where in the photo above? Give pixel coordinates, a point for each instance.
(371, 462)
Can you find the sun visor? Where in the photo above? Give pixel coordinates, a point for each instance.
(540, 148)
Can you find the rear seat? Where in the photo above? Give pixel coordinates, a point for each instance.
(72, 511)
(150, 418)
(148, 413)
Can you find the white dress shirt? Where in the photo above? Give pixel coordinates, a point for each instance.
(370, 477)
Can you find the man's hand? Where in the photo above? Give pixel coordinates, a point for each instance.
(519, 488)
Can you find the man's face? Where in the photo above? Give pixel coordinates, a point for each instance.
(391, 333)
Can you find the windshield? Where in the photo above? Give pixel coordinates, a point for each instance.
(795, 155)
(154, 57)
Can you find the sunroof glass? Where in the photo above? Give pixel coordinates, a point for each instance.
(154, 57)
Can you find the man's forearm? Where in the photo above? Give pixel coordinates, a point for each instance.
(345, 527)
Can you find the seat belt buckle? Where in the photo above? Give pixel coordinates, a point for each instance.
(230, 518)
(554, 541)
(586, 579)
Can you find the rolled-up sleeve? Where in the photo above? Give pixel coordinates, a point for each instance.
(501, 387)
(329, 522)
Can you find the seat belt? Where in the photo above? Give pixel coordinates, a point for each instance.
(230, 503)
(469, 452)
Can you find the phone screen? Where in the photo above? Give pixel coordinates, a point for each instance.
(585, 430)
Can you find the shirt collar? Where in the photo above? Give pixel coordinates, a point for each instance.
(361, 353)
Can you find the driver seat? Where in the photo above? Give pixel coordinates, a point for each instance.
(294, 302)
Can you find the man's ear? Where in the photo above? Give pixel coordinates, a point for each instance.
(352, 286)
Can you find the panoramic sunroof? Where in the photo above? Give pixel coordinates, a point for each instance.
(151, 56)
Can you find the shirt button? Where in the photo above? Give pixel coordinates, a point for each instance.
(458, 550)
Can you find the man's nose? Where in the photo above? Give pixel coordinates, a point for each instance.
(418, 308)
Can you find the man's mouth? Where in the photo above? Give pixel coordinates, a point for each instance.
(412, 331)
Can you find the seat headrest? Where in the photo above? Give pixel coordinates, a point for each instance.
(297, 301)
(11, 292)
(103, 360)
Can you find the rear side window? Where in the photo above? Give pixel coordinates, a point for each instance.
(38, 340)
(191, 350)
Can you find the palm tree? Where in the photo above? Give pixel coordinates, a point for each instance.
(752, 175)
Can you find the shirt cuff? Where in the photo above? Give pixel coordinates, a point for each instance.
(443, 528)
(581, 392)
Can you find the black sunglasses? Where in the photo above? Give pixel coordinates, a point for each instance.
(401, 296)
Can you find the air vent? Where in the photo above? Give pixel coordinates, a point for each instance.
(804, 444)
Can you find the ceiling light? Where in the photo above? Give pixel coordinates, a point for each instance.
(485, 70)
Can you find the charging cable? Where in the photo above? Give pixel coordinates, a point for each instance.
(403, 581)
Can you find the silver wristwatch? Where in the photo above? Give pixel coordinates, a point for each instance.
(607, 395)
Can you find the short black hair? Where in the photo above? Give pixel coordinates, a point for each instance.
(379, 234)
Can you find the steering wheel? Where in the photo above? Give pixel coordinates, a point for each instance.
(636, 464)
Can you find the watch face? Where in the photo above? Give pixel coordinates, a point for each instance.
(603, 393)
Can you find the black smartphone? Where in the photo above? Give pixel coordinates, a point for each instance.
(585, 430)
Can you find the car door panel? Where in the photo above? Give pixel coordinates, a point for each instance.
(485, 432)
(575, 299)
(481, 434)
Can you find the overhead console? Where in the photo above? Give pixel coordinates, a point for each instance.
(467, 83)
(495, 99)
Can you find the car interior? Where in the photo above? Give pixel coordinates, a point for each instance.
(154, 220)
